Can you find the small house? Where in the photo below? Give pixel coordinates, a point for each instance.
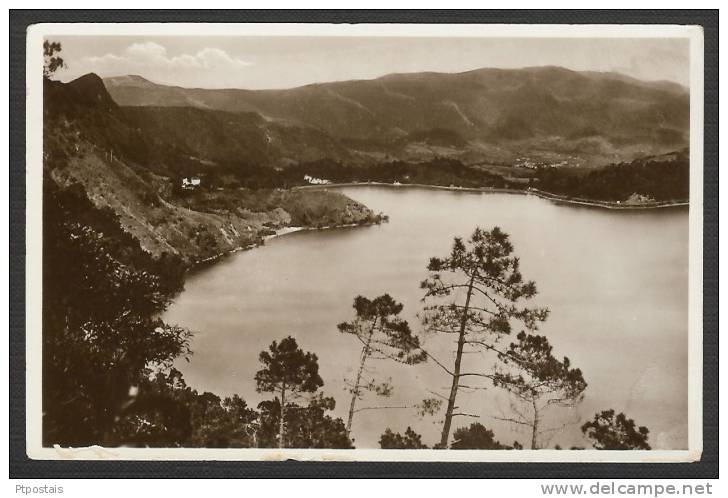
(191, 182)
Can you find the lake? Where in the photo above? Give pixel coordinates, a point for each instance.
(616, 283)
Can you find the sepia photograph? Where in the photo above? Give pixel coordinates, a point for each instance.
(364, 242)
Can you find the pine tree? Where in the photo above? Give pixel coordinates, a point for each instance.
(307, 426)
(610, 432)
(474, 294)
(475, 437)
(287, 370)
(539, 381)
(51, 60)
(396, 441)
(383, 336)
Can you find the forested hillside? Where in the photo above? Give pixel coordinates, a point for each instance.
(542, 113)
(137, 171)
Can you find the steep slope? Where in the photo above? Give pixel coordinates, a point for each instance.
(120, 160)
(229, 138)
(533, 108)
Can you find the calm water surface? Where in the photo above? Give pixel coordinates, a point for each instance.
(616, 284)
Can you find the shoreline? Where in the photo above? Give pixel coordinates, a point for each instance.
(210, 260)
(494, 190)
(202, 263)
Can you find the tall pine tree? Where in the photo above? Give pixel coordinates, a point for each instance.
(384, 336)
(287, 370)
(474, 294)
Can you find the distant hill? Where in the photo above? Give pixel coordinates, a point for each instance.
(159, 137)
(224, 137)
(480, 115)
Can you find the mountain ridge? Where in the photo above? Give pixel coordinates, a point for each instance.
(616, 75)
(500, 113)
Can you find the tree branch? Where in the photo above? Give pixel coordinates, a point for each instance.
(465, 415)
(381, 408)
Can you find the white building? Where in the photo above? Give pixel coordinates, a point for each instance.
(315, 181)
(191, 182)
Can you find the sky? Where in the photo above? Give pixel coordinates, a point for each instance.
(259, 62)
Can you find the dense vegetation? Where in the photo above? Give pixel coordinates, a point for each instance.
(663, 179)
(438, 171)
(101, 297)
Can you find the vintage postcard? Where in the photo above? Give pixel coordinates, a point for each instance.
(366, 242)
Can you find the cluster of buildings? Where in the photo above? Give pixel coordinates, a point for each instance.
(525, 162)
(316, 181)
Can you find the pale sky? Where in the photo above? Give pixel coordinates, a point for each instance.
(257, 62)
